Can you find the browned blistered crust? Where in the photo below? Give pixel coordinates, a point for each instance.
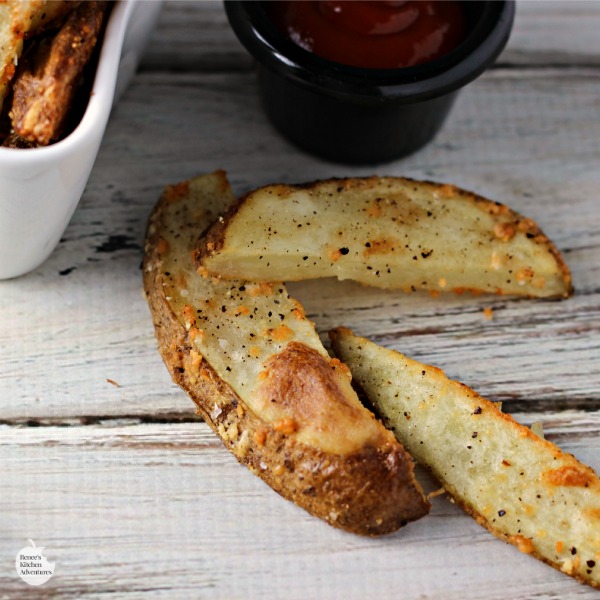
(515, 222)
(372, 491)
(44, 87)
(20, 20)
(312, 383)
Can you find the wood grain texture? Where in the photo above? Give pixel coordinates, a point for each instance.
(131, 494)
(130, 510)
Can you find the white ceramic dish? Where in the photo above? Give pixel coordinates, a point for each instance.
(40, 188)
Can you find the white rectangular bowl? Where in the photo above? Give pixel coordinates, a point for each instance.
(41, 187)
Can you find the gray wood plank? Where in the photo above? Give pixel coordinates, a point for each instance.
(132, 511)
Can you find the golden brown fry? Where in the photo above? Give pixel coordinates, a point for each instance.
(44, 88)
(20, 19)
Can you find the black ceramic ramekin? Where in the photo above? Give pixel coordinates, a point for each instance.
(357, 115)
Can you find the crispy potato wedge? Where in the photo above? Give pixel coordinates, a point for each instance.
(18, 20)
(259, 375)
(387, 232)
(45, 85)
(522, 488)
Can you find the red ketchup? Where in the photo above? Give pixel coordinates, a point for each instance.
(372, 34)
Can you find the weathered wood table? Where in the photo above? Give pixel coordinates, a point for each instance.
(102, 459)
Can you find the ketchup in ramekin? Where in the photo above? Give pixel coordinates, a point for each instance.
(367, 82)
(378, 34)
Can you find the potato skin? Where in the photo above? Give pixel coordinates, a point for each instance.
(371, 491)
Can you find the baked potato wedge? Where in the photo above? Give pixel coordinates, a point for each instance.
(261, 378)
(522, 488)
(387, 232)
(20, 19)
